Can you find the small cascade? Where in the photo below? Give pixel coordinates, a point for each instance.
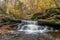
(29, 26)
(30, 30)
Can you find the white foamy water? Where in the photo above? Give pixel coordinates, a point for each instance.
(31, 27)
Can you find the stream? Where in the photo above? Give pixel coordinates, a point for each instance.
(30, 30)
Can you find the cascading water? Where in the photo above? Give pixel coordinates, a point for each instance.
(29, 27)
(30, 30)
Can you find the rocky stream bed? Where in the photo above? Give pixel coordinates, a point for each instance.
(8, 32)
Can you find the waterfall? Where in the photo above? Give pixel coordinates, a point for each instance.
(29, 26)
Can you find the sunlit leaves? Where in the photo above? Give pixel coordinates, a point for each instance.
(28, 6)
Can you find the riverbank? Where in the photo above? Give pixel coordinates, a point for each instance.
(8, 32)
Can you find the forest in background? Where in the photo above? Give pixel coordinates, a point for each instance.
(46, 10)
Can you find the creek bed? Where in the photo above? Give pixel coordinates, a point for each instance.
(11, 34)
(22, 36)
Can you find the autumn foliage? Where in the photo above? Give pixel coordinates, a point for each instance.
(26, 8)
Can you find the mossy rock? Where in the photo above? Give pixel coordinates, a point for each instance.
(53, 11)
